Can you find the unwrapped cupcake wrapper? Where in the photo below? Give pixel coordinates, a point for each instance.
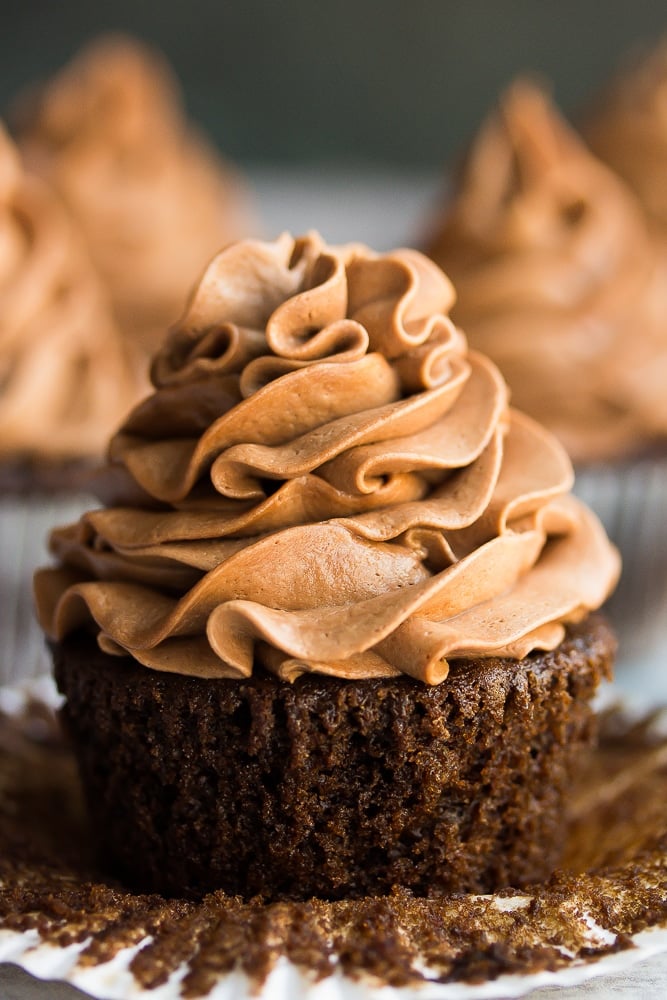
(631, 500)
(114, 979)
(25, 523)
(58, 925)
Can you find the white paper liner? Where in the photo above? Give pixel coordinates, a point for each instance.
(25, 523)
(631, 500)
(114, 980)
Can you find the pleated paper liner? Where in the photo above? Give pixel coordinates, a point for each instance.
(630, 498)
(25, 523)
(61, 919)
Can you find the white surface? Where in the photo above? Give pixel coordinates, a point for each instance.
(383, 210)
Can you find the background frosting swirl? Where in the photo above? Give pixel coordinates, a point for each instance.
(559, 280)
(152, 198)
(66, 379)
(326, 479)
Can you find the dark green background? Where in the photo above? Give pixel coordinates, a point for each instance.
(380, 81)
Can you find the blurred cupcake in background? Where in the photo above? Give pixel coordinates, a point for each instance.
(627, 128)
(66, 379)
(152, 197)
(561, 283)
(67, 376)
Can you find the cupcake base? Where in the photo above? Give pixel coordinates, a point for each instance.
(29, 475)
(62, 920)
(328, 787)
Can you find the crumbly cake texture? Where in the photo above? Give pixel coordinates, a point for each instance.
(614, 873)
(329, 787)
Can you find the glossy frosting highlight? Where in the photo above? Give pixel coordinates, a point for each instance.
(558, 280)
(326, 479)
(66, 378)
(152, 197)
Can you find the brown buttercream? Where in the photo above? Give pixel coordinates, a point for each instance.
(325, 479)
(66, 379)
(628, 130)
(151, 196)
(558, 280)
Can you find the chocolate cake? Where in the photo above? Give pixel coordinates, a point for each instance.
(331, 633)
(328, 787)
(611, 886)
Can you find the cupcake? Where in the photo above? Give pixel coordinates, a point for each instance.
(561, 283)
(67, 380)
(151, 196)
(627, 129)
(333, 630)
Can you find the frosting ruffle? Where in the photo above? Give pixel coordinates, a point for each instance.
(326, 479)
(152, 198)
(66, 378)
(558, 280)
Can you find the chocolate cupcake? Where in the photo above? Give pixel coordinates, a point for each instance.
(563, 284)
(331, 632)
(67, 380)
(559, 281)
(67, 377)
(152, 197)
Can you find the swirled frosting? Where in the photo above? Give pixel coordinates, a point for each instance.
(152, 198)
(628, 130)
(326, 479)
(558, 280)
(65, 377)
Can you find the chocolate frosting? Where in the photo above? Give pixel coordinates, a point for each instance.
(628, 130)
(151, 196)
(326, 479)
(66, 378)
(558, 280)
